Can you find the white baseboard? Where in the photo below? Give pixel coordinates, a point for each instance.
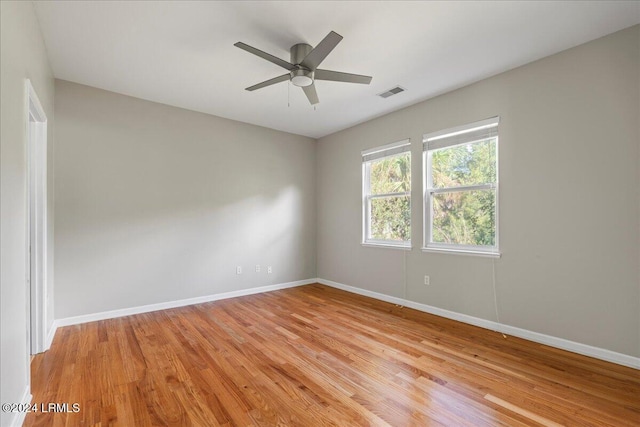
(171, 304)
(561, 343)
(18, 417)
(50, 335)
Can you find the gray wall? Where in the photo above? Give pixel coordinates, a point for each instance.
(569, 202)
(22, 56)
(156, 203)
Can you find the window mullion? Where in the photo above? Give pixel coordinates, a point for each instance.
(489, 186)
(388, 195)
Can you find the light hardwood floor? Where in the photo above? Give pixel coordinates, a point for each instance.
(315, 356)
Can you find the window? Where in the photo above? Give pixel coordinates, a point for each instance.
(461, 189)
(386, 201)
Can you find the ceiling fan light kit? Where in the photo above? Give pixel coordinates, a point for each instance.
(303, 68)
(301, 77)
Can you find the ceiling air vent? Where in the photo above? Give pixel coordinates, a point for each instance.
(393, 91)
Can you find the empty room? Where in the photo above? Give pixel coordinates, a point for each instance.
(320, 213)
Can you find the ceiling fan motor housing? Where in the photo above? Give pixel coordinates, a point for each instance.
(300, 76)
(299, 52)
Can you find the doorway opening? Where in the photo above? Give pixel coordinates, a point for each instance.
(36, 222)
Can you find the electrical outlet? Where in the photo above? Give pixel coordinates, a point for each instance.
(269, 270)
(257, 268)
(238, 270)
(427, 280)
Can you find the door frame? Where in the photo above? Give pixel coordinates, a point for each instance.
(36, 283)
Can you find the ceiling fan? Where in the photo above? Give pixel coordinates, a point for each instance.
(303, 69)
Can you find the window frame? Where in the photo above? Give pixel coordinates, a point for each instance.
(429, 191)
(405, 147)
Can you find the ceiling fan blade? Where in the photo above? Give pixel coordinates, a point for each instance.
(337, 76)
(264, 55)
(311, 93)
(324, 48)
(282, 78)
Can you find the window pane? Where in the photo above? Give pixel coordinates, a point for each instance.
(391, 174)
(467, 164)
(465, 217)
(391, 218)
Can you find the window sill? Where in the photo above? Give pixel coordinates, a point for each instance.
(485, 254)
(386, 246)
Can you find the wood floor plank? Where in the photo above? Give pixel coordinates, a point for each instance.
(318, 356)
(537, 418)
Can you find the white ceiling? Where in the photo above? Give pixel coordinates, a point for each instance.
(181, 53)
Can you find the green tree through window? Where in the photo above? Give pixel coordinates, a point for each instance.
(387, 195)
(465, 217)
(391, 215)
(462, 188)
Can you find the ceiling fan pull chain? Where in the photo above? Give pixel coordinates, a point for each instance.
(289, 94)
